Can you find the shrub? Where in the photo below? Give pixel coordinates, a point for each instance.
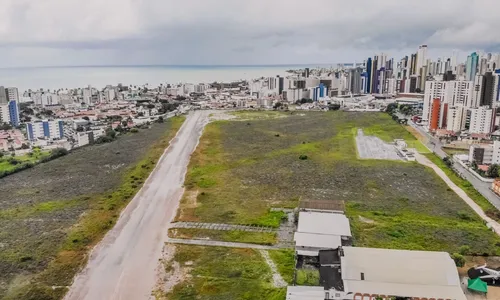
(134, 130)
(464, 250)
(303, 157)
(459, 259)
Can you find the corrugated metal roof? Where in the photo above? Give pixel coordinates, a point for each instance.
(305, 293)
(323, 223)
(320, 241)
(400, 272)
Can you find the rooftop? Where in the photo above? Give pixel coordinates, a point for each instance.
(400, 272)
(323, 223)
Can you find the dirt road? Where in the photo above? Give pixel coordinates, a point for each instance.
(122, 265)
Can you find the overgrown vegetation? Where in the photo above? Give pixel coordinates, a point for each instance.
(262, 238)
(285, 262)
(52, 215)
(467, 187)
(240, 171)
(13, 164)
(218, 273)
(308, 277)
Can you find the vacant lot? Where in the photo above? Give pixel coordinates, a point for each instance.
(243, 168)
(9, 163)
(218, 273)
(52, 214)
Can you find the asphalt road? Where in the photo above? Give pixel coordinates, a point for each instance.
(123, 265)
(482, 187)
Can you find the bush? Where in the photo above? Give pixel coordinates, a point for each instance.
(464, 250)
(459, 259)
(303, 157)
(134, 130)
(13, 161)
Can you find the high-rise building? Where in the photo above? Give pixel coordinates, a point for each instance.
(438, 115)
(456, 118)
(369, 75)
(482, 120)
(14, 113)
(471, 66)
(45, 130)
(3, 96)
(421, 57)
(454, 93)
(489, 90)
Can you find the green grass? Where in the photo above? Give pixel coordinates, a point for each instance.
(467, 187)
(34, 158)
(262, 238)
(258, 115)
(308, 277)
(223, 274)
(285, 262)
(452, 151)
(102, 214)
(240, 171)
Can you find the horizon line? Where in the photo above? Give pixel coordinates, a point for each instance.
(174, 65)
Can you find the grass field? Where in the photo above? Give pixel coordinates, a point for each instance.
(217, 273)
(242, 168)
(34, 158)
(263, 238)
(468, 188)
(52, 214)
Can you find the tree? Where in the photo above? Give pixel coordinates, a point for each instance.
(278, 105)
(160, 119)
(124, 123)
(140, 114)
(391, 108)
(473, 165)
(79, 129)
(24, 146)
(119, 128)
(150, 106)
(493, 171)
(334, 107)
(86, 118)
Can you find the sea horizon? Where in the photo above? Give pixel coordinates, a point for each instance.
(99, 76)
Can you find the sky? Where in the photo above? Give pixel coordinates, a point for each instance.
(238, 32)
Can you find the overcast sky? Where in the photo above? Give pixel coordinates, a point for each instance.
(111, 32)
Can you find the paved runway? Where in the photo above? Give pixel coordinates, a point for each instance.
(371, 147)
(123, 264)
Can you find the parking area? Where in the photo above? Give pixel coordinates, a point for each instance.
(371, 147)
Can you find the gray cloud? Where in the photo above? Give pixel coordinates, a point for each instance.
(79, 32)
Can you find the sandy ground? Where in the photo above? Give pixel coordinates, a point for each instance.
(371, 147)
(124, 264)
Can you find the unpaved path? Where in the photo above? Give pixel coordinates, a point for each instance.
(122, 266)
(278, 281)
(426, 162)
(222, 244)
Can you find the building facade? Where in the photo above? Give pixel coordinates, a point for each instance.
(45, 130)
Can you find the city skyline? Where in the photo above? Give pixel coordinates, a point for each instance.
(34, 33)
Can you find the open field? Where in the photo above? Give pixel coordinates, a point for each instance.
(53, 213)
(243, 168)
(223, 274)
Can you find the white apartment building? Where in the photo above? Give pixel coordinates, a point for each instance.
(12, 94)
(49, 99)
(496, 153)
(110, 94)
(477, 90)
(482, 120)
(453, 93)
(456, 118)
(4, 113)
(482, 154)
(87, 95)
(45, 130)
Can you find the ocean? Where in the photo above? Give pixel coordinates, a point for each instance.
(100, 76)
